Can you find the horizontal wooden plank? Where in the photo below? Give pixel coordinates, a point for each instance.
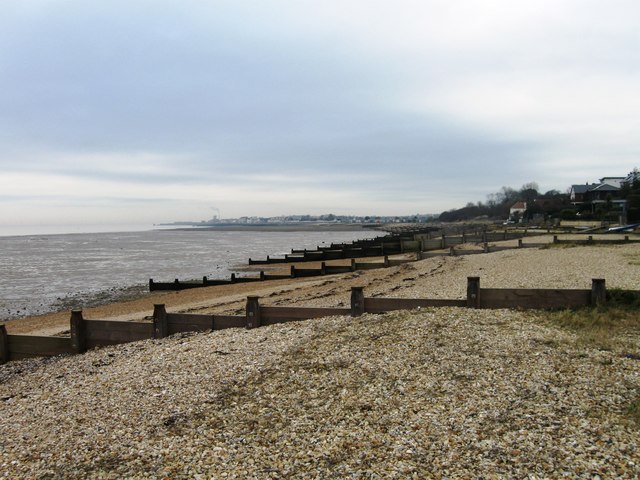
(258, 262)
(307, 272)
(494, 237)
(34, 346)
(533, 298)
(221, 322)
(332, 269)
(316, 255)
(188, 322)
(271, 315)
(451, 241)
(369, 266)
(381, 305)
(247, 279)
(172, 286)
(276, 277)
(473, 238)
(214, 283)
(410, 245)
(108, 332)
(433, 244)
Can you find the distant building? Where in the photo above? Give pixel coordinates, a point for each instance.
(516, 212)
(607, 188)
(518, 208)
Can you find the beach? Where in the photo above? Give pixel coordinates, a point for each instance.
(439, 277)
(430, 393)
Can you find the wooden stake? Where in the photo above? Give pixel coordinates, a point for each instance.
(160, 327)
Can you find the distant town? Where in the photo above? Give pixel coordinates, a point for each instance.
(612, 199)
(309, 219)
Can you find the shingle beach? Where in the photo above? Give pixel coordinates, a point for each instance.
(431, 393)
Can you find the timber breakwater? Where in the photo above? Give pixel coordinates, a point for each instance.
(383, 251)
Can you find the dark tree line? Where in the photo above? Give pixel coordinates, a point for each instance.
(498, 204)
(631, 193)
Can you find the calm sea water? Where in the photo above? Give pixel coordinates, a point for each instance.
(44, 273)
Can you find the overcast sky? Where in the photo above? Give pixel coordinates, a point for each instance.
(153, 111)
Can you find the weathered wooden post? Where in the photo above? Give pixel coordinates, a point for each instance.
(443, 240)
(253, 312)
(233, 278)
(357, 301)
(626, 238)
(262, 277)
(519, 243)
(323, 268)
(485, 247)
(452, 251)
(78, 332)
(555, 239)
(204, 281)
(353, 264)
(151, 287)
(473, 292)
(4, 344)
(590, 239)
(418, 255)
(598, 292)
(293, 271)
(386, 261)
(160, 327)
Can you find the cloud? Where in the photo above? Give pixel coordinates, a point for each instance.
(425, 104)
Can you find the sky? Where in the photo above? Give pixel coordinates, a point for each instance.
(154, 111)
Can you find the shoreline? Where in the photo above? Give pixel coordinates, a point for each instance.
(449, 391)
(436, 277)
(274, 227)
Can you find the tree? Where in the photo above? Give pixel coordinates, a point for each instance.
(529, 192)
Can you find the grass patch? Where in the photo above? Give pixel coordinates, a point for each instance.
(605, 327)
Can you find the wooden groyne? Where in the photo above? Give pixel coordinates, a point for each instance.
(86, 334)
(422, 244)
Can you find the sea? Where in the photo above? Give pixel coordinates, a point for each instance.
(43, 273)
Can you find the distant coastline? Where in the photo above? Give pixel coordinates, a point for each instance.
(276, 227)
